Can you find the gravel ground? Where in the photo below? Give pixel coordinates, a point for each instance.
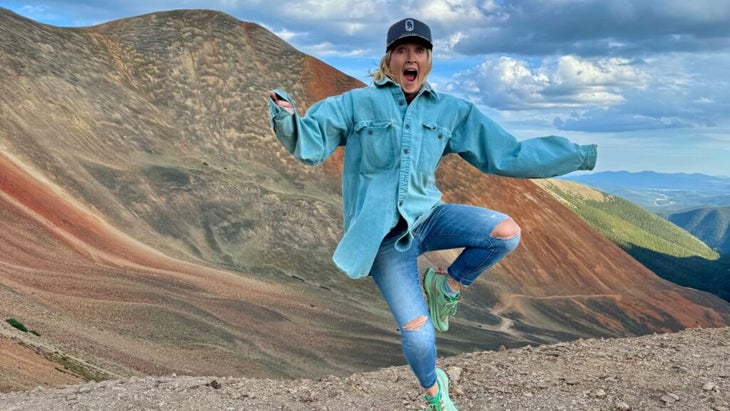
(688, 370)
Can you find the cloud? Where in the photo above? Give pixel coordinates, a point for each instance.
(607, 94)
(598, 27)
(615, 120)
(506, 83)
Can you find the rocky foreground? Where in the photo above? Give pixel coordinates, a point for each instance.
(688, 370)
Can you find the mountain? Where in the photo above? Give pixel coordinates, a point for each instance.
(709, 224)
(151, 224)
(661, 192)
(663, 247)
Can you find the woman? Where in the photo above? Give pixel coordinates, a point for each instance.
(395, 133)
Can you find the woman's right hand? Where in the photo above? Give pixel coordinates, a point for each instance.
(281, 103)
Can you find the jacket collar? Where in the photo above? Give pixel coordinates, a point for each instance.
(426, 89)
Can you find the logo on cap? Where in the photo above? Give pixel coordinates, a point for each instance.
(408, 28)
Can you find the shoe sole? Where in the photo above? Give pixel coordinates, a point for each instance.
(429, 296)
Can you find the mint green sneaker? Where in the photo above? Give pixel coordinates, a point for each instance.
(441, 402)
(440, 305)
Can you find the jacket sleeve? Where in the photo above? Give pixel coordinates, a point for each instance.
(488, 147)
(314, 137)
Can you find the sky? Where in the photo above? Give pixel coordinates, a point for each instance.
(648, 81)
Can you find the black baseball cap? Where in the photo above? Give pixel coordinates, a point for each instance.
(408, 28)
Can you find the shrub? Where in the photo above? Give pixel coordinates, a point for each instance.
(17, 324)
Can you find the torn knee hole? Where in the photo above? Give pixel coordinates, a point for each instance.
(416, 323)
(506, 229)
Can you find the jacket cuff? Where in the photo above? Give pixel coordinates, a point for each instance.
(589, 154)
(283, 96)
(276, 113)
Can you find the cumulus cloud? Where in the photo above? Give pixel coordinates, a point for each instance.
(557, 82)
(608, 94)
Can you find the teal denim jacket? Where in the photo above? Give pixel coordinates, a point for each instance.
(392, 150)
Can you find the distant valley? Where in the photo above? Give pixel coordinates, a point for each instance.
(698, 203)
(661, 192)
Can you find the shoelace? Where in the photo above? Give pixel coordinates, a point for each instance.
(436, 403)
(436, 406)
(450, 305)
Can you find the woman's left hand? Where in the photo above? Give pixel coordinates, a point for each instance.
(281, 103)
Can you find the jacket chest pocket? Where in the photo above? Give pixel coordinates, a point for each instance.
(377, 144)
(433, 143)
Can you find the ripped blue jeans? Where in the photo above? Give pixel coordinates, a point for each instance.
(397, 276)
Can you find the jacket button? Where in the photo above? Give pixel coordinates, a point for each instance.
(405, 151)
(408, 126)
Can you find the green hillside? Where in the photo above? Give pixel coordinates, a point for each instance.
(663, 247)
(709, 224)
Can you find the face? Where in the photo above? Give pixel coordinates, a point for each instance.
(409, 66)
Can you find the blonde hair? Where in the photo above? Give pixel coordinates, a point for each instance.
(383, 70)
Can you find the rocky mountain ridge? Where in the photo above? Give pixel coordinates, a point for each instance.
(688, 370)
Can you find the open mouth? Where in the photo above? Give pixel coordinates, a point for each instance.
(410, 74)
